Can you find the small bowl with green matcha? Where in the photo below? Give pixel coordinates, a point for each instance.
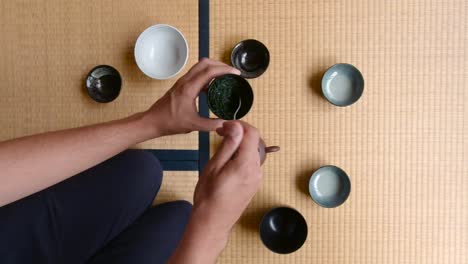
(230, 97)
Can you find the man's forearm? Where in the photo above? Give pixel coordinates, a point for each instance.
(33, 163)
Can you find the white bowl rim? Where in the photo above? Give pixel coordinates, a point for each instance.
(139, 40)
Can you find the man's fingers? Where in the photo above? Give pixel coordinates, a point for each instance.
(208, 124)
(202, 78)
(233, 134)
(220, 131)
(248, 148)
(198, 67)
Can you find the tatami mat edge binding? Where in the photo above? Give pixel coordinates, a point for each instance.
(193, 160)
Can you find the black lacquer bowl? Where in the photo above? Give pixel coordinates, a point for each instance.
(103, 83)
(283, 230)
(251, 58)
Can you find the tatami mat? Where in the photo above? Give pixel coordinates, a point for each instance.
(48, 47)
(404, 144)
(177, 185)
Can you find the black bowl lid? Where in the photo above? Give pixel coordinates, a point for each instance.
(251, 58)
(103, 83)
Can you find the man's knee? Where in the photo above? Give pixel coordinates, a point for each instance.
(182, 207)
(141, 166)
(135, 174)
(177, 210)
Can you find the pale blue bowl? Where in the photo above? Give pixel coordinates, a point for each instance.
(342, 84)
(329, 186)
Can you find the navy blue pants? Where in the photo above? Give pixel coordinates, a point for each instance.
(102, 215)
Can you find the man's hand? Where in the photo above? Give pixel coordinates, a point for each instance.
(231, 178)
(225, 188)
(176, 112)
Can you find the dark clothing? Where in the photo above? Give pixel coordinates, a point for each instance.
(102, 215)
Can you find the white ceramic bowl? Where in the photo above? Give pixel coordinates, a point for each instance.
(161, 51)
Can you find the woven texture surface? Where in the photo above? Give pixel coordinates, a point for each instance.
(48, 47)
(177, 185)
(404, 144)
